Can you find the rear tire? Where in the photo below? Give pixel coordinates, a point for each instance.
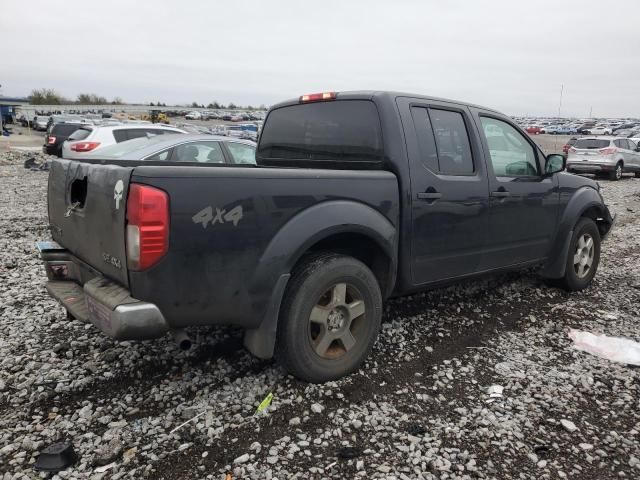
(583, 257)
(637, 174)
(330, 317)
(617, 173)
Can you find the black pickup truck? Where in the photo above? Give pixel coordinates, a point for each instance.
(356, 197)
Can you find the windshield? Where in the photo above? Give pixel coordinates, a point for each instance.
(591, 143)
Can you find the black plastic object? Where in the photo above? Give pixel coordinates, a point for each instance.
(56, 457)
(349, 452)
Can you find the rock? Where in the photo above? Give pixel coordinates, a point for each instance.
(294, 421)
(568, 425)
(242, 458)
(109, 452)
(317, 408)
(585, 446)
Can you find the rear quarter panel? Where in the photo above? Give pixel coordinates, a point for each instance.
(223, 221)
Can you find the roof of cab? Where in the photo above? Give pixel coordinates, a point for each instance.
(371, 94)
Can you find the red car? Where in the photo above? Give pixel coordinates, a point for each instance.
(533, 130)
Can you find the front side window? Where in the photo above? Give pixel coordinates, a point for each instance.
(452, 142)
(511, 154)
(241, 153)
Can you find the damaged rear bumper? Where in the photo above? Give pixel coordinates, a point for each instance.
(90, 297)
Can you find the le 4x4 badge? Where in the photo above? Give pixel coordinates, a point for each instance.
(206, 216)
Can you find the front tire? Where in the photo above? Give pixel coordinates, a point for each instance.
(583, 257)
(330, 318)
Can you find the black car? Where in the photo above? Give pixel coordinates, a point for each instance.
(355, 197)
(58, 133)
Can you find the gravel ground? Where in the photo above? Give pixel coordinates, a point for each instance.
(417, 409)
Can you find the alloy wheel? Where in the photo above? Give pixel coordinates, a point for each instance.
(335, 321)
(583, 256)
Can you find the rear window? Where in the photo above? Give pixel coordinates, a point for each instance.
(64, 129)
(338, 134)
(79, 134)
(591, 143)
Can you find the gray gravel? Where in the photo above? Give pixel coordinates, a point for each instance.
(419, 408)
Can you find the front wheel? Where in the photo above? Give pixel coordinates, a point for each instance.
(583, 257)
(330, 317)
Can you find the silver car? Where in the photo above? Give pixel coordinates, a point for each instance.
(609, 155)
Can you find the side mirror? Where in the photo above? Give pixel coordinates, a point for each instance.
(554, 163)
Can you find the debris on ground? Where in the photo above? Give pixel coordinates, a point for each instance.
(56, 457)
(616, 349)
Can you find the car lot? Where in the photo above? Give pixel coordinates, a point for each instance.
(417, 408)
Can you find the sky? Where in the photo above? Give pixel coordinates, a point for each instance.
(511, 55)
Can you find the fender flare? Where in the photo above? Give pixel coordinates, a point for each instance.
(300, 233)
(581, 201)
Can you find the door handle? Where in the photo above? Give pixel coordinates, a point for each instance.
(500, 194)
(429, 195)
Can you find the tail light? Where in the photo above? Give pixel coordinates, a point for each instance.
(147, 226)
(51, 140)
(318, 97)
(84, 146)
(607, 151)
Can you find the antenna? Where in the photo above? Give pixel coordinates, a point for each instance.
(555, 141)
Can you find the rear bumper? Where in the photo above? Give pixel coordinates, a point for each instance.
(90, 297)
(590, 167)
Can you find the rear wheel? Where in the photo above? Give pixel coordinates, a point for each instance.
(583, 257)
(617, 173)
(330, 318)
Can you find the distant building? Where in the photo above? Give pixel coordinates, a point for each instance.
(8, 109)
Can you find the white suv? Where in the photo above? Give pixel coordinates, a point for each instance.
(609, 155)
(91, 138)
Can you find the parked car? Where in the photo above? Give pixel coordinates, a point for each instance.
(40, 123)
(582, 129)
(193, 116)
(533, 130)
(565, 148)
(610, 155)
(187, 148)
(90, 138)
(566, 130)
(597, 131)
(302, 250)
(57, 135)
(550, 129)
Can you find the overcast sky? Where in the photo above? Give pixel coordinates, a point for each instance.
(511, 55)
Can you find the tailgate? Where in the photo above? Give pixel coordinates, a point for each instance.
(87, 205)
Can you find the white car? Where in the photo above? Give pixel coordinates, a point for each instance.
(90, 138)
(193, 116)
(598, 131)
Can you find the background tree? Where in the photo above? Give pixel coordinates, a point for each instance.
(46, 96)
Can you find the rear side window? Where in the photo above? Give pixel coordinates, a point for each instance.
(443, 141)
(241, 153)
(79, 134)
(120, 135)
(337, 134)
(452, 141)
(591, 143)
